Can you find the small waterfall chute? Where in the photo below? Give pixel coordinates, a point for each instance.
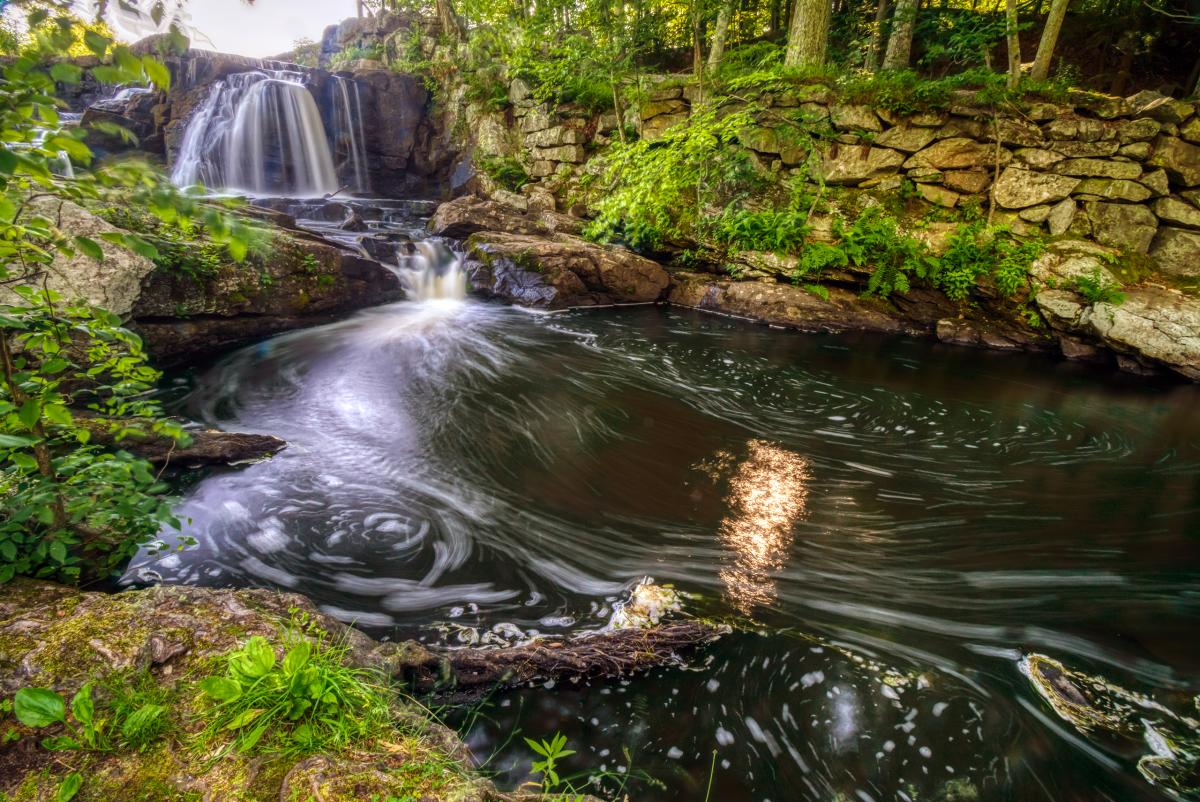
(433, 272)
(259, 133)
(349, 139)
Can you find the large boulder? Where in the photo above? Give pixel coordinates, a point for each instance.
(959, 153)
(1018, 188)
(1127, 226)
(113, 282)
(471, 214)
(853, 164)
(560, 270)
(300, 281)
(394, 111)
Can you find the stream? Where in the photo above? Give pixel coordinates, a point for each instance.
(892, 524)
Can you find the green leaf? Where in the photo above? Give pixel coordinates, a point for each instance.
(255, 659)
(90, 248)
(96, 43)
(297, 657)
(66, 72)
(58, 551)
(16, 441)
(82, 706)
(69, 787)
(30, 413)
(222, 689)
(244, 718)
(157, 72)
(57, 413)
(39, 707)
(536, 747)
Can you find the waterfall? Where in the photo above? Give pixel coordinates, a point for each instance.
(259, 133)
(349, 140)
(433, 273)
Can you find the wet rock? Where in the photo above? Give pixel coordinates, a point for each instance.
(470, 214)
(1017, 188)
(1176, 251)
(561, 270)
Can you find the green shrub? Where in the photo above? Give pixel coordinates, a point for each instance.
(776, 231)
(874, 240)
(352, 54)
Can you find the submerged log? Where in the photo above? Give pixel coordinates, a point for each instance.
(471, 672)
(207, 447)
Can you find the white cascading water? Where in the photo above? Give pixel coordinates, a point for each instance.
(433, 273)
(349, 141)
(258, 133)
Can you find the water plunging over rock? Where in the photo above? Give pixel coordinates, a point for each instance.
(258, 132)
(433, 272)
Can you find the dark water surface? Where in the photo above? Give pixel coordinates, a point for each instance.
(900, 521)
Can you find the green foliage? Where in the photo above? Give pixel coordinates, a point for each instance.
(552, 752)
(505, 172)
(745, 230)
(307, 702)
(656, 192)
(874, 240)
(131, 723)
(180, 246)
(305, 52)
(72, 507)
(1097, 288)
(975, 251)
(572, 69)
(343, 58)
(815, 259)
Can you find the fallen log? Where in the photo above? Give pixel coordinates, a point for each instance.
(207, 447)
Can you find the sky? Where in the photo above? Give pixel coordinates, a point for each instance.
(267, 28)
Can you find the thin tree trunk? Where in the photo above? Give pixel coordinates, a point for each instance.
(1014, 43)
(716, 50)
(872, 60)
(899, 47)
(448, 20)
(808, 37)
(697, 40)
(1045, 51)
(776, 18)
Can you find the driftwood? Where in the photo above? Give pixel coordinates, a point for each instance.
(208, 446)
(471, 672)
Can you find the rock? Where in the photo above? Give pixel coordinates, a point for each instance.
(300, 282)
(554, 136)
(654, 128)
(960, 127)
(958, 153)
(572, 154)
(519, 91)
(939, 196)
(1041, 112)
(1080, 129)
(926, 175)
(112, 283)
(763, 140)
(537, 119)
(1138, 131)
(470, 214)
(785, 305)
(906, 138)
(969, 182)
(1180, 159)
(856, 163)
(1176, 251)
(1191, 131)
(1108, 108)
(1076, 150)
(1014, 132)
(658, 108)
(854, 118)
(560, 271)
(1060, 217)
(1098, 168)
(1019, 188)
(1153, 328)
(1156, 182)
(1037, 158)
(1138, 151)
(1121, 225)
(1061, 264)
(1160, 107)
(929, 119)
(1177, 213)
(1035, 214)
(1108, 189)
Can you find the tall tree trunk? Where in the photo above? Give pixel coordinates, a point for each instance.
(716, 50)
(871, 62)
(1014, 43)
(697, 40)
(448, 20)
(899, 47)
(808, 37)
(776, 18)
(1045, 51)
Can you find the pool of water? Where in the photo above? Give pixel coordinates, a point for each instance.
(893, 523)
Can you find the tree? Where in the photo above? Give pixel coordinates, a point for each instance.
(871, 62)
(899, 47)
(1046, 45)
(1013, 31)
(449, 20)
(808, 38)
(716, 50)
